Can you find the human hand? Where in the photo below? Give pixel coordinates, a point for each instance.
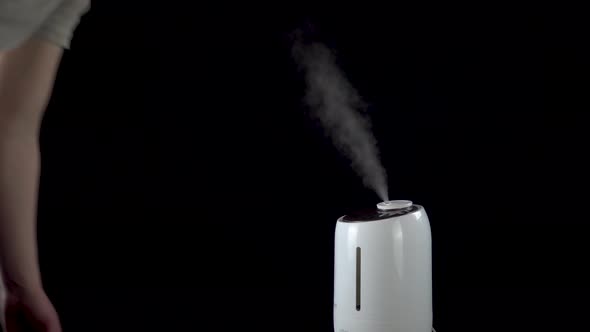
(23, 310)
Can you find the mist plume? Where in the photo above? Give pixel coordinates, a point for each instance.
(333, 100)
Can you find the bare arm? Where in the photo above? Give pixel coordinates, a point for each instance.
(26, 79)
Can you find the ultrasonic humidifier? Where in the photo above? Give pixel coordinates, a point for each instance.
(383, 270)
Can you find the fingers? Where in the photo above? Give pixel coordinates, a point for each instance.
(32, 314)
(16, 320)
(54, 327)
(53, 323)
(2, 306)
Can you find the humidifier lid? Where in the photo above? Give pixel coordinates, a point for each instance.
(385, 210)
(394, 205)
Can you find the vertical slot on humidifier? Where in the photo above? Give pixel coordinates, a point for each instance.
(358, 278)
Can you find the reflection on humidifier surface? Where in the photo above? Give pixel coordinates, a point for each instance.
(383, 270)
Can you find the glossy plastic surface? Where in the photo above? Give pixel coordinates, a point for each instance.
(395, 275)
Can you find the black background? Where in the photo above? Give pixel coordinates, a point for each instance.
(179, 193)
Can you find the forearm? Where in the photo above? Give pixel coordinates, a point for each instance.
(26, 80)
(19, 173)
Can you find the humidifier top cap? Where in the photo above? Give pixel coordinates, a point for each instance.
(394, 205)
(384, 210)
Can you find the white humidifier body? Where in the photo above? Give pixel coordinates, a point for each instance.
(383, 270)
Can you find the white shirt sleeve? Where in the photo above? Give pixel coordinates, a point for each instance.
(53, 20)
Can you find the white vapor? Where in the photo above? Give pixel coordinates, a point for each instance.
(340, 109)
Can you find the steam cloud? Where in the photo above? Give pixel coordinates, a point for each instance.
(334, 101)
